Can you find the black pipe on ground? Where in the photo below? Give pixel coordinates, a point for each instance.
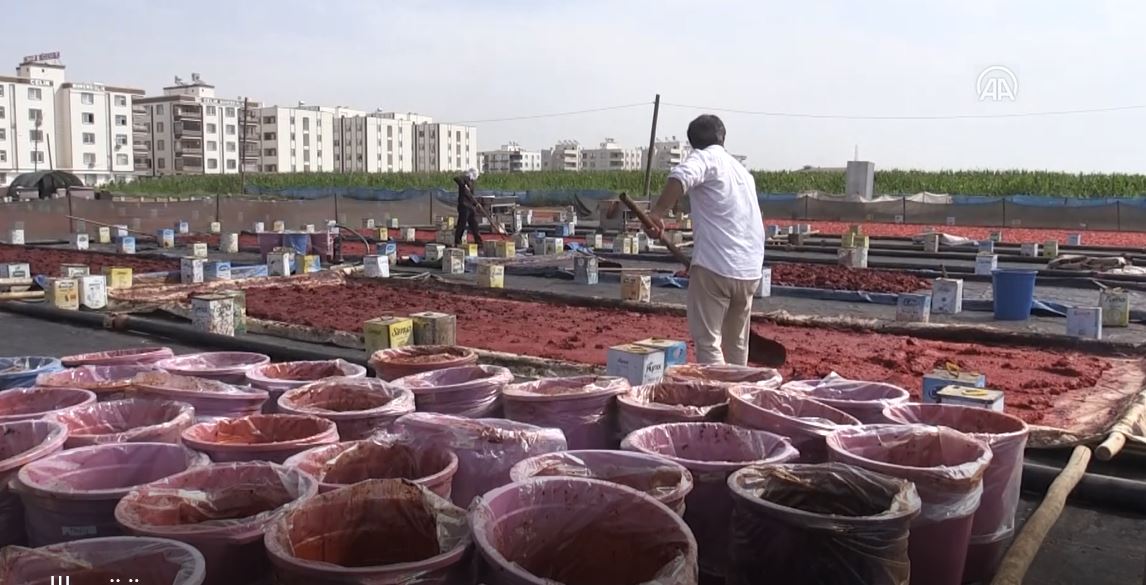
(1102, 491)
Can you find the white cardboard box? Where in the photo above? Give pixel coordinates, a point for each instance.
(947, 296)
(635, 363)
(914, 308)
(764, 289)
(1084, 322)
(376, 266)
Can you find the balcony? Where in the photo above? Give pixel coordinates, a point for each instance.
(189, 164)
(187, 112)
(141, 128)
(190, 128)
(189, 146)
(139, 110)
(141, 146)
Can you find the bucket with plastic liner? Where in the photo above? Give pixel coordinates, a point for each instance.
(19, 372)
(667, 482)
(359, 407)
(223, 510)
(21, 443)
(711, 451)
(108, 382)
(473, 391)
(994, 522)
(861, 399)
(947, 469)
(225, 366)
(377, 531)
(486, 447)
(813, 524)
(37, 402)
(806, 422)
(105, 560)
(724, 373)
(260, 437)
(1014, 293)
(343, 464)
(135, 356)
(577, 530)
(134, 420)
(391, 364)
(583, 407)
(212, 399)
(671, 402)
(72, 495)
(280, 377)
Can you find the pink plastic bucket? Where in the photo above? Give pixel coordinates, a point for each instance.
(21, 443)
(343, 464)
(391, 364)
(672, 402)
(472, 391)
(212, 399)
(72, 494)
(806, 422)
(222, 510)
(724, 374)
(823, 523)
(108, 382)
(39, 401)
(260, 437)
(278, 378)
(994, 521)
(225, 366)
(863, 400)
(359, 407)
(135, 420)
(711, 451)
(134, 356)
(583, 407)
(579, 531)
(667, 482)
(947, 468)
(105, 560)
(377, 531)
(486, 447)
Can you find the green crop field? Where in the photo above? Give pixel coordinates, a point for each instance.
(890, 182)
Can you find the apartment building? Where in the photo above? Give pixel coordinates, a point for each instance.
(669, 152)
(611, 156)
(510, 158)
(374, 143)
(444, 147)
(564, 156)
(190, 131)
(47, 122)
(297, 139)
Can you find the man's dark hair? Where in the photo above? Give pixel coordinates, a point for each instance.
(705, 131)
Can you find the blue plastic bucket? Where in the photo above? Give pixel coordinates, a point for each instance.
(299, 242)
(1014, 292)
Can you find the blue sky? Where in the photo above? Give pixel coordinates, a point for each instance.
(483, 59)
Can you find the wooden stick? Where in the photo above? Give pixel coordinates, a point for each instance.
(1026, 546)
(1117, 439)
(108, 225)
(15, 296)
(648, 223)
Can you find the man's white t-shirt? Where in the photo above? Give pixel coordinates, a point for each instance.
(728, 232)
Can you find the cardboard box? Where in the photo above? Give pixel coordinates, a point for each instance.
(970, 396)
(182, 227)
(985, 264)
(947, 296)
(93, 291)
(505, 249)
(1029, 249)
(191, 270)
(913, 308)
(376, 266)
(636, 287)
(259, 227)
(103, 235)
(309, 263)
(126, 245)
(852, 257)
(432, 328)
(16, 237)
(63, 293)
(1074, 239)
(1050, 249)
(387, 333)
(216, 270)
(986, 246)
(118, 278)
(166, 238)
(239, 300)
(215, 227)
(491, 275)
(764, 289)
(279, 263)
(213, 313)
(489, 248)
(940, 378)
(1115, 304)
(80, 241)
(407, 234)
(434, 252)
(595, 241)
(229, 243)
(635, 363)
(996, 236)
(931, 243)
(553, 246)
(676, 352)
(199, 249)
(368, 223)
(1084, 322)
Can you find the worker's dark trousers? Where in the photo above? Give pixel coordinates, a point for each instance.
(466, 218)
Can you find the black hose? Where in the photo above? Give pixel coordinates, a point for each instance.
(1103, 491)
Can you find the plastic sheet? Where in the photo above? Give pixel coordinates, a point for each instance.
(105, 560)
(135, 356)
(20, 372)
(672, 402)
(391, 364)
(994, 521)
(665, 481)
(280, 377)
(212, 399)
(108, 382)
(21, 443)
(225, 366)
(472, 391)
(37, 402)
(580, 531)
(806, 422)
(814, 524)
(72, 495)
(260, 437)
(947, 468)
(359, 407)
(134, 420)
(861, 399)
(342, 464)
(583, 407)
(711, 451)
(377, 531)
(726, 373)
(486, 448)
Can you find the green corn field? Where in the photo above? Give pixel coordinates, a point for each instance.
(890, 182)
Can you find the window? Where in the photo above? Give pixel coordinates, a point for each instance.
(306, 156)
(270, 168)
(34, 93)
(36, 135)
(210, 110)
(212, 129)
(212, 146)
(121, 159)
(159, 126)
(270, 152)
(230, 147)
(121, 100)
(268, 119)
(161, 163)
(89, 138)
(35, 114)
(268, 135)
(318, 122)
(120, 120)
(121, 139)
(231, 165)
(1, 91)
(87, 99)
(306, 123)
(37, 156)
(88, 118)
(230, 113)
(1, 111)
(306, 139)
(3, 156)
(230, 129)
(160, 145)
(159, 110)
(212, 163)
(89, 159)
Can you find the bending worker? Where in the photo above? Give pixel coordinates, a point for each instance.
(728, 236)
(467, 208)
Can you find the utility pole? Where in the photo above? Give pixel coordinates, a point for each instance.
(243, 146)
(652, 147)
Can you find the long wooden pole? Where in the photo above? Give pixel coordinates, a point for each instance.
(652, 147)
(108, 225)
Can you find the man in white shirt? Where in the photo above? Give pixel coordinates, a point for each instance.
(728, 235)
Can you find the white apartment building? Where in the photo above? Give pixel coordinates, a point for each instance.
(510, 158)
(298, 139)
(564, 156)
(669, 152)
(47, 123)
(412, 117)
(374, 143)
(189, 131)
(612, 157)
(444, 147)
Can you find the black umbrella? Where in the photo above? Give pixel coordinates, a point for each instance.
(46, 182)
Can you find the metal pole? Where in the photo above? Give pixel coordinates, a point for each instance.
(337, 219)
(1118, 212)
(71, 222)
(243, 145)
(1004, 212)
(218, 207)
(652, 146)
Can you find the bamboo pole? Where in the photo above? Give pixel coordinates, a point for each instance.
(1117, 438)
(108, 225)
(19, 296)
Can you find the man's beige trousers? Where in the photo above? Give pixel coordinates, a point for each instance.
(719, 309)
